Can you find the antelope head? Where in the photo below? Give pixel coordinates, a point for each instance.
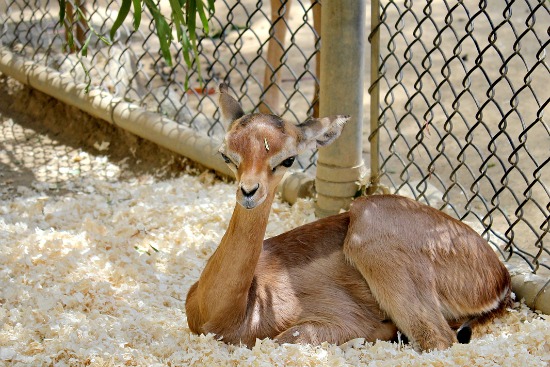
(259, 148)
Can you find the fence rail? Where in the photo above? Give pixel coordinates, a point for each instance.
(462, 89)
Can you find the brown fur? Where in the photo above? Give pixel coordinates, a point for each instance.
(437, 265)
(342, 277)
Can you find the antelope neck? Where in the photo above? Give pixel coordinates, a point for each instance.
(247, 228)
(228, 275)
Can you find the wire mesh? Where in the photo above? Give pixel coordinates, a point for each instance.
(464, 88)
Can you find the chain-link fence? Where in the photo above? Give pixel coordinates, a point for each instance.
(463, 90)
(235, 51)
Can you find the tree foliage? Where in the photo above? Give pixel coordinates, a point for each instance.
(183, 15)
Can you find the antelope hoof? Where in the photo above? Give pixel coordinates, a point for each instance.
(464, 334)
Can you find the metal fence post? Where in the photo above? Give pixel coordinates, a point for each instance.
(340, 166)
(374, 90)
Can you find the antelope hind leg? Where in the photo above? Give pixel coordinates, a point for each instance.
(406, 293)
(415, 312)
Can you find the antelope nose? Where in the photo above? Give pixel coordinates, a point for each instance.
(249, 191)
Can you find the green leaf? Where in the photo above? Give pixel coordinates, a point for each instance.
(88, 78)
(70, 38)
(100, 36)
(196, 53)
(177, 15)
(137, 14)
(191, 20)
(202, 15)
(163, 31)
(165, 36)
(122, 14)
(186, 47)
(84, 50)
(191, 26)
(186, 84)
(62, 9)
(211, 7)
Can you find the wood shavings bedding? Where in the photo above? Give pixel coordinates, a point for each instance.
(99, 278)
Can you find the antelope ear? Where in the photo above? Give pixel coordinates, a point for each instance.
(231, 109)
(319, 132)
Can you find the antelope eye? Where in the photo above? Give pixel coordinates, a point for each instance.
(226, 158)
(288, 162)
